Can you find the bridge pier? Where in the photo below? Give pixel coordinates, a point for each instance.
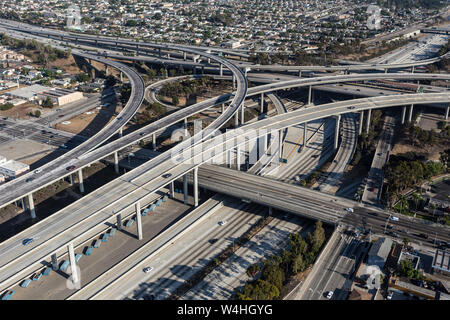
(138, 220)
(361, 118)
(403, 114)
(280, 143)
(369, 112)
(236, 119)
(73, 264)
(171, 190)
(238, 158)
(242, 113)
(336, 132)
(121, 76)
(31, 206)
(299, 73)
(119, 221)
(446, 112)
(309, 95)
(262, 103)
(262, 145)
(159, 52)
(270, 211)
(116, 162)
(305, 125)
(154, 142)
(80, 180)
(411, 109)
(412, 69)
(228, 158)
(120, 132)
(185, 188)
(223, 107)
(221, 70)
(196, 187)
(71, 179)
(184, 56)
(54, 262)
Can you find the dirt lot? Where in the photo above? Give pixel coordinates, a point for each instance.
(432, 152)
(21, 111)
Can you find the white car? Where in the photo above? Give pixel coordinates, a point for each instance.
(390, 294)
(330, 294)
(148, 269)
(37, 171)
(222, 223)
(392, 218)
(349, 210)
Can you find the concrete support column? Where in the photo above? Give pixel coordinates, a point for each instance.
(403, 114)
(411, 109)
(120, 132)
(242, 114)
(221, 70)
(159, 52)
(299, 73)
(31, 206)
(369, 112)
(309, 94)
(280, 143)
(270, 211)
(73, 264)
(236, 119)
(154, 142)
(336, 132)
(262, 145)
(138, 220)
(228, 158)
(184, 56)
(71, 179)
(262, 103)
(119, 221)
(185, 188)
(361, 119)
(305, 125)
(238, 158)
(116, 162)
(203, 69)
(54, 262)
(196, 187)
(412, 69)
(80, 180)
(446, 112)
(234, 82)
(223, 107)
(121, 76)
(171, 190)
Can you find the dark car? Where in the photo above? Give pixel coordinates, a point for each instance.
(166, 175)
(212, 241)
(423, 235)
(373, 213)
(29, 179)
(70, 168)
(390, 226)
(27, 241)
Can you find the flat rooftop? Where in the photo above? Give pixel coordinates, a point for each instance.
(441, 260)
(29, 92)
(14, 165)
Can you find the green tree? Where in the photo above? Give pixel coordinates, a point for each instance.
(47, 103)
(317, 238)
(273, 274)
(259, 290)
(253, 269)
(37, 113)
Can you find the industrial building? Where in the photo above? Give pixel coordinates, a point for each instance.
(441, 262)
(40, 93)
(379, 252)
(11, 169)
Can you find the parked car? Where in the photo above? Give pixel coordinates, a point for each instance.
(330, 294)
(349, 210)
(390, 295)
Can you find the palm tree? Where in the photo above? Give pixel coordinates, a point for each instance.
(416, 197)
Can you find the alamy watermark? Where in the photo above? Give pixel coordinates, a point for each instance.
(374, 19)
(235, 146)
(74, 17)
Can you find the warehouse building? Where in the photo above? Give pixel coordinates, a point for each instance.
(441, 262)
(40, 93)
(61, 96)
(379, 252)
(11, 169)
